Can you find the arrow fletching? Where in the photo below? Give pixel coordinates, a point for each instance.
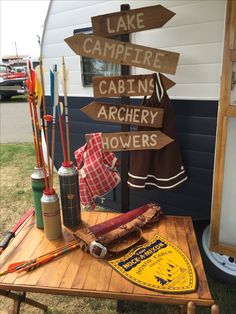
(61, 108)
(38, 88)
(64, 77)
(52, 86)
(48, 118)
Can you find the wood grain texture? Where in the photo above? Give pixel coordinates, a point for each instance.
(140, 140)
(127, 85)
(78, 273)
(130, 21)
(124, 53)
(124, 114)
(233, 55)
(231, 111)
(203, 289)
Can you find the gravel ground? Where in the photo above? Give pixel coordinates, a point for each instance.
(15, 126)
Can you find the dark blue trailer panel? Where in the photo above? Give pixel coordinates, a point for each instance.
(196, 130)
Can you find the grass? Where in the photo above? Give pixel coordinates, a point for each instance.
(16, 166)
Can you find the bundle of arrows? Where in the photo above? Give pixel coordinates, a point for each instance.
(34, 90)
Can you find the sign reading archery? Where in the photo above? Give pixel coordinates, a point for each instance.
(127, 85)
(124, 114)
(140, 140)
(124, 53)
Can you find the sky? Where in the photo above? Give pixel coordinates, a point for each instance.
(20, 23)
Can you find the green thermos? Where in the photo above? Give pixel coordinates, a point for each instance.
(38, 186)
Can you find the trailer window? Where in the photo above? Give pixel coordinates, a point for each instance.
(92, 67)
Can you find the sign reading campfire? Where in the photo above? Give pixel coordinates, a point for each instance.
(124, 53)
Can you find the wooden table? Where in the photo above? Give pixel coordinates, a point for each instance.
(80, 274)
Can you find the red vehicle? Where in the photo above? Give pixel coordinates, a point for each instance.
(12, 83)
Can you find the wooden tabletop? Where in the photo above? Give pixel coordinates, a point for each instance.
(79, 273)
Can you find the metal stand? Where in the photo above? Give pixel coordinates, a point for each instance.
(21, 297)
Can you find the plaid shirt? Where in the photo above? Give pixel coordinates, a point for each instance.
(97, 171)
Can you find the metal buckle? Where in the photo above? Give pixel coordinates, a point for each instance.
(97, 249)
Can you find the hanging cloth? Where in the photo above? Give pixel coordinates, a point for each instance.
(162, 168)
(97, 171)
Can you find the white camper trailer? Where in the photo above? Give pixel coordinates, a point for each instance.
(197, 33)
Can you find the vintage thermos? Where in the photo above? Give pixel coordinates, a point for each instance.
(51, 215)
(69, 190)
(38, 186)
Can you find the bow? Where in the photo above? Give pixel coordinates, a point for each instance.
(11, 234)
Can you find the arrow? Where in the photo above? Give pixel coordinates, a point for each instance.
(127, 85)
(11, 234)
(131, 20)
(120, 52)
(64, 82)
(54, 100)
(124, 114)
(140, 140)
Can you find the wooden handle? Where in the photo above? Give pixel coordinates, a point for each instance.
(215, 309)
(191, 308)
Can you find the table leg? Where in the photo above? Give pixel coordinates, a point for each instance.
(215, 309)
(191, 308)
(183, 309)
(36, 304)
(16, 305)
(120, 306)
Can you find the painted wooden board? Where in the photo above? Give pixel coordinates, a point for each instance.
(124, 114)
(140, 140)
(129, 85)
(124, 53)
(131, 20)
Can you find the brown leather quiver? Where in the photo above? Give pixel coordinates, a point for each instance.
(119, 233)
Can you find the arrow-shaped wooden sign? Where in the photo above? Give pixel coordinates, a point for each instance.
(131, 20)
(140, 140)
(124, 53)
(130, 85)
(124, 114)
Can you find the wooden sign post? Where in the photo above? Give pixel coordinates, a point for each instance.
(124, 114)
(125, 156)
(126, 54)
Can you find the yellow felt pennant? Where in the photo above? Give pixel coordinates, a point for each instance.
(158, 265)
